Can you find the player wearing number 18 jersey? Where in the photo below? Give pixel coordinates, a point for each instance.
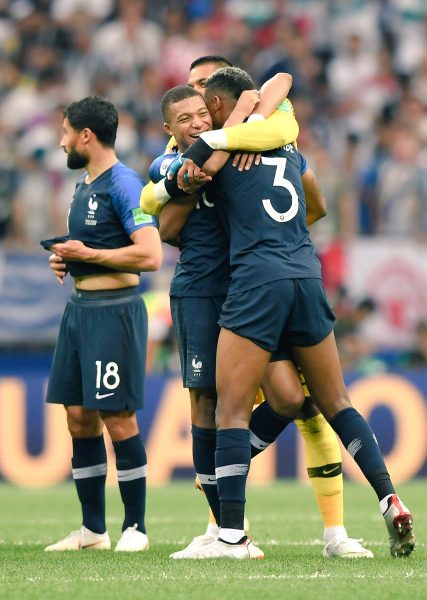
(98, 366)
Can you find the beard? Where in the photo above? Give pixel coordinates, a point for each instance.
(75, 160)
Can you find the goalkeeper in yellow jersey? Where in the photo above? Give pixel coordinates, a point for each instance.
(193, 294)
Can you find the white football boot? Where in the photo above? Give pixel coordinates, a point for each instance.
(200, 541)
(219, 549)
(196, 544)
(82, 539)
(132, 540)
(399, 525)
(346, 548)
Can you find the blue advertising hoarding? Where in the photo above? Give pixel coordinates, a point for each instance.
(35, 449)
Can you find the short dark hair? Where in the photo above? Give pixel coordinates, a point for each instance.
(97, 114)
(230, 81)
(211, 59)
(176, 94)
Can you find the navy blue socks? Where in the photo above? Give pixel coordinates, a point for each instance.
(89, 466)
(204, 446)
(265, 426)
(131, 462)
(359, 439)
(232, 460)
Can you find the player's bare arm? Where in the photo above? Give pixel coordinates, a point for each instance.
(173, 218)
(271, 94)
(315, 200)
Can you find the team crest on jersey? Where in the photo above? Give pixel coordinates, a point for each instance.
(197, 366)
(91, 210)
(165, 164)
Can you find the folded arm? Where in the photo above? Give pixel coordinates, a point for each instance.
(145, 254)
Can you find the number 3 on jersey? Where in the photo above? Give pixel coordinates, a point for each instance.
(281, 181)
(110, 378)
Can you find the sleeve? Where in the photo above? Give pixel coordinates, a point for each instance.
(125, 196)
(304, 165)
(279, 129)
(159, 166)
(153, 197)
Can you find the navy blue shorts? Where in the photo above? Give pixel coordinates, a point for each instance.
(196, 326)
(282, 354)
(99, 360)
(280, 314)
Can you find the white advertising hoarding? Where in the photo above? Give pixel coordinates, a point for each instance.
(394, 273)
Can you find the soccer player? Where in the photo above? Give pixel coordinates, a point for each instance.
(98, 366)
(322, 451)
(205, 251)
(275, 299)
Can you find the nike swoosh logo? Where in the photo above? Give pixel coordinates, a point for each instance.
(90, 545)
(101, 396)
(210, 479)
(327, 472)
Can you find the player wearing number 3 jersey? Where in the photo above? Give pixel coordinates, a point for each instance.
(204, 239)
(98, 366)
(276, 300)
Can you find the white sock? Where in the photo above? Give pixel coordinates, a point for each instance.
(232, 536)
(212, 529)
(384, 503)
(336, 533)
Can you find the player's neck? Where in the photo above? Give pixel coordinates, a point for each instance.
(100, 163)
(182, 147)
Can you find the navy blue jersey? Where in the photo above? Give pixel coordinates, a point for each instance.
(264, 211)
(203, 267)
(303, 164)
(104, 213)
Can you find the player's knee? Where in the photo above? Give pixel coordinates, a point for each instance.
(287, 405)
(203, 406)
(83, 423)
(308, 410)
(233, 412)
(204, 417)
(120, 426)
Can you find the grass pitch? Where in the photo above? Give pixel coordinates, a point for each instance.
(284, 521)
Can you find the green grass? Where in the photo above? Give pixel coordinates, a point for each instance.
(284, 521)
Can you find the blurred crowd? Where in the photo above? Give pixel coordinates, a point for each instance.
(359, 91)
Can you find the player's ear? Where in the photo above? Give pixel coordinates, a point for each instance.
(86, 135)
(167, 129)
(216, 103)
